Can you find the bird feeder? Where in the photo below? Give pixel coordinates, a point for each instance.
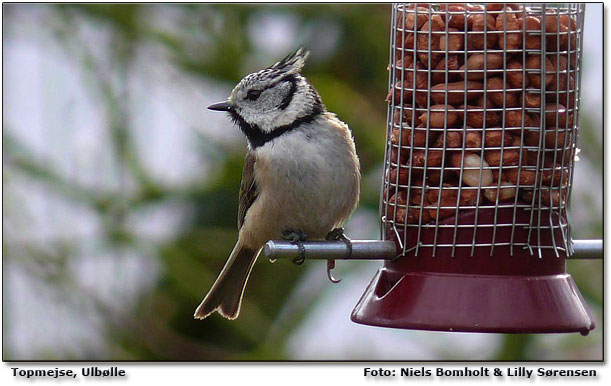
(482, 127)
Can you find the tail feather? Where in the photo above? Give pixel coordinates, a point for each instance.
(226, 293)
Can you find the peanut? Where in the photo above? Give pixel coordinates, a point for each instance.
(515, 74)
(454, 41)
(555, 138)
(474, 116)
(447, 65)
(432, 158)
(439, 198)
(554, 175)
(417, 138)
(531, 98)
(566, 91)
(557, 37)
(457, 15)
(406, 88)
(532, 25)
(471, 169)
(560, 62)
(556, 116)
(532, 157)
(403, 64)
(480, 103)
(397, 137)
(496, 138)
(532, 138)
(438, 115)
(456, 92)
(413, 20)
(510, 157)
(468, 197)
(425, 44)
(570, 26)
(476, 62)
(494, 7)
(414, 214)
(555, 198)
(481, 22)
(498, 94)
(513, 119)
(526, 177)
(452, 139)
(398, 158)
(396, 201)
(408, 23)
(552, 135)
(400, 178)
(533, 62)
(502, 194)
(473, 139)
(508, 21)
(403, 116)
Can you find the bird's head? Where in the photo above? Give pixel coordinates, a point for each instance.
(272, 98)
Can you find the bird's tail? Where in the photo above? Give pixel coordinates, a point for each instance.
(225, 296)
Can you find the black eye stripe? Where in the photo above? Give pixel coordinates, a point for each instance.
(253, 95)
(289, 97)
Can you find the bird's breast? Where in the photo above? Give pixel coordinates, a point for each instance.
(307, 181)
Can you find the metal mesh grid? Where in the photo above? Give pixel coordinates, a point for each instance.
(482, 125)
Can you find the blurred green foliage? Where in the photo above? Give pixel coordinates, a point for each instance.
(214, 44)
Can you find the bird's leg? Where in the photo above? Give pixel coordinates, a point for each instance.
(337, 234)
(297, 238)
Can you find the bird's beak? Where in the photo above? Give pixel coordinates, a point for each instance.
(221, 106)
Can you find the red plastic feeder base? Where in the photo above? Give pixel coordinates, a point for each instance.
(502, 293)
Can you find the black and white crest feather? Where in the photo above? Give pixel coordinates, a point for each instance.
(290, 65)
(293, 63)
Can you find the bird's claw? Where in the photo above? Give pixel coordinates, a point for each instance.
(337, 234)
(301, 259)
(297, 238)
(330, 266)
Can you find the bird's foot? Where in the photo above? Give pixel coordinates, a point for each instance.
(297, 238)
(337, 234)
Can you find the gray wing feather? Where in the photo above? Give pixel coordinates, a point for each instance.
(248, 188)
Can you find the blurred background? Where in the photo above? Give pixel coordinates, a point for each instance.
(120, 188)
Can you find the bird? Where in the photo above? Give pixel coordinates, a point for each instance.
(301, 176)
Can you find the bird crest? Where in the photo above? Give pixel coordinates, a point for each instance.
(293, 63)
(290, 65)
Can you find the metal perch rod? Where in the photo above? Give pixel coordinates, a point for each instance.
(587, 249)
(361, 250)
(383, 250)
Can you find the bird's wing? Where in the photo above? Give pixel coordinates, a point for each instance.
(248, 188)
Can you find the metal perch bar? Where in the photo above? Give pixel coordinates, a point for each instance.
(336, 250)
(384, 250)
(587, 249)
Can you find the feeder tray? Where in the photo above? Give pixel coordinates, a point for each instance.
(510, 292)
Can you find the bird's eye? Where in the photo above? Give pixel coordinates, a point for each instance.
(253, 95)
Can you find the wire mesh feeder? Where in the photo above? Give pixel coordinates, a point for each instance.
(482, 126)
